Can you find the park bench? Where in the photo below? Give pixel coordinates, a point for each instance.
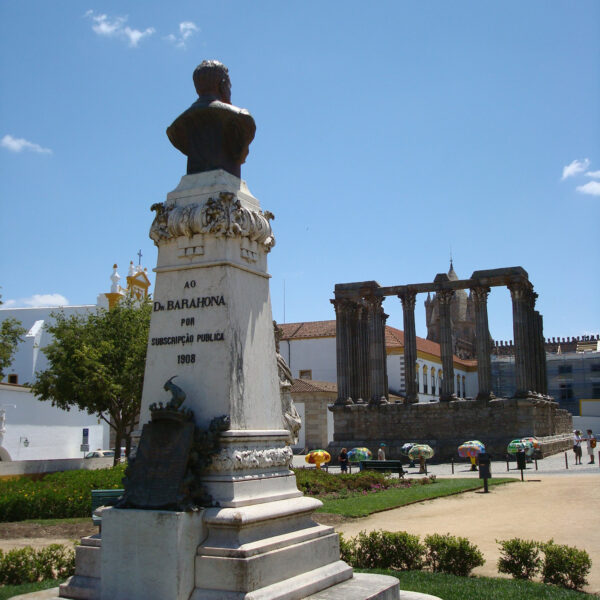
(395, 466)
(103, 498)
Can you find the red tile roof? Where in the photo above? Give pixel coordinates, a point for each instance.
(308, 385)
(394, 338)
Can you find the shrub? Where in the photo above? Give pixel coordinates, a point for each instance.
(565, 566)
(27, 565)
(59, 495)
(383, 550)
(454, 555)
(519, 558)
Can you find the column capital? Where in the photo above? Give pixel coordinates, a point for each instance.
(519, 290)
(444, 296)
(408, 300)
(480, 293)
(343, 305)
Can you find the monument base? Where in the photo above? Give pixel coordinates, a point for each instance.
(85, 584)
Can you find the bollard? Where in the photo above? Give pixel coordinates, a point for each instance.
(507, 464)
(566, 461)
(522, 475)
(535, 459)
(453, 465)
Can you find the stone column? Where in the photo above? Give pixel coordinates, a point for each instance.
(353, 351)
(377, 355)
(444, 298)
(543, 368)
(521, 300)
(341, 350)
(410, 346)
(363, 354)
(482, 342)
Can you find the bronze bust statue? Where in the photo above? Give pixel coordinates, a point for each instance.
(213, 133)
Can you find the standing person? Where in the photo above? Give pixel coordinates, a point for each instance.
(343, 460)
(381, 452)
(591, 445)
(577, 439)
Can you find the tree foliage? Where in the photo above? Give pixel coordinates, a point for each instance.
(96, 363)
(11, 334)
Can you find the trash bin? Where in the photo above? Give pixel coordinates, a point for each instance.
(521, 460)
(485, 466)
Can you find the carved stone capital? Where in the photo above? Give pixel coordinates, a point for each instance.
(241, 459)
(222, 217)
(408, 300)
(480, 294)
(445, 297)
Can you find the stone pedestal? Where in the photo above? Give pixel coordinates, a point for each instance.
(212, 327)
(85, 584)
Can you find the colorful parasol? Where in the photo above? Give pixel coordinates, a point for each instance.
(534, 441)
(471, 449)
(358, 454)
(317, 457)
(405, 449)
(419, 450)
(523, 444)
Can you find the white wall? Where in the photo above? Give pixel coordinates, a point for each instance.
(317, 355)
(302, 433)
(51, 433)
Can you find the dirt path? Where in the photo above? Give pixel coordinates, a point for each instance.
(563, 508)
(21, 534)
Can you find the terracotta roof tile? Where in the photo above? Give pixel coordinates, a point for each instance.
(394, 338)
(308, 385)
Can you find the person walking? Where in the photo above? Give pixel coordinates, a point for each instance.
(381, 452)
(591, 446)
(343, 460)
(577, 439)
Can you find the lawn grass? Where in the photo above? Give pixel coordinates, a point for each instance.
(58, 521)
(452, 587)
(362, 505)
(8, 591)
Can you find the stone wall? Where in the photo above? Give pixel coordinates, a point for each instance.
(446, 425)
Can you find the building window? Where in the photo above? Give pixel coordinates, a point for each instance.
(417, 379)
(305, 374)
(433, 382)
(595, 391)
(440, 378)
(13, 379)
(425, 380)
(566, 391)
(595, 366)
(565, 369)
(458, 385)
(464, 393)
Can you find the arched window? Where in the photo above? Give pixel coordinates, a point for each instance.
(433, 381)
(424, 379)
(440, 377)
(464, 393)
(458, 385)
(417, 377)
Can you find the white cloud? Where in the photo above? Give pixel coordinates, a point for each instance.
(576, 167)
(18, 144)
(115, 27)
(186, 30)
(591, 187)
(38, 300)
(594, 174)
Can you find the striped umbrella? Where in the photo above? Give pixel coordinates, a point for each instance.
(405, 448)
(358, 454)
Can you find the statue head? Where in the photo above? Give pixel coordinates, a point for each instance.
(211, 78)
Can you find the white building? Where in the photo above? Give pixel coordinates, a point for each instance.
(309, 349)
(34, 430)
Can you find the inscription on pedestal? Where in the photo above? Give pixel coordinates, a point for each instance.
(155, 480)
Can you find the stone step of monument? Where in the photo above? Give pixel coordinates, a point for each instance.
(267, 568)
(294, 588)
(268, 544)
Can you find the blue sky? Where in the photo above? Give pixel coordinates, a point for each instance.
(389, 135)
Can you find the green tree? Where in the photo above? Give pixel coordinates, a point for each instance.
(11, 333)
(96, 363)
